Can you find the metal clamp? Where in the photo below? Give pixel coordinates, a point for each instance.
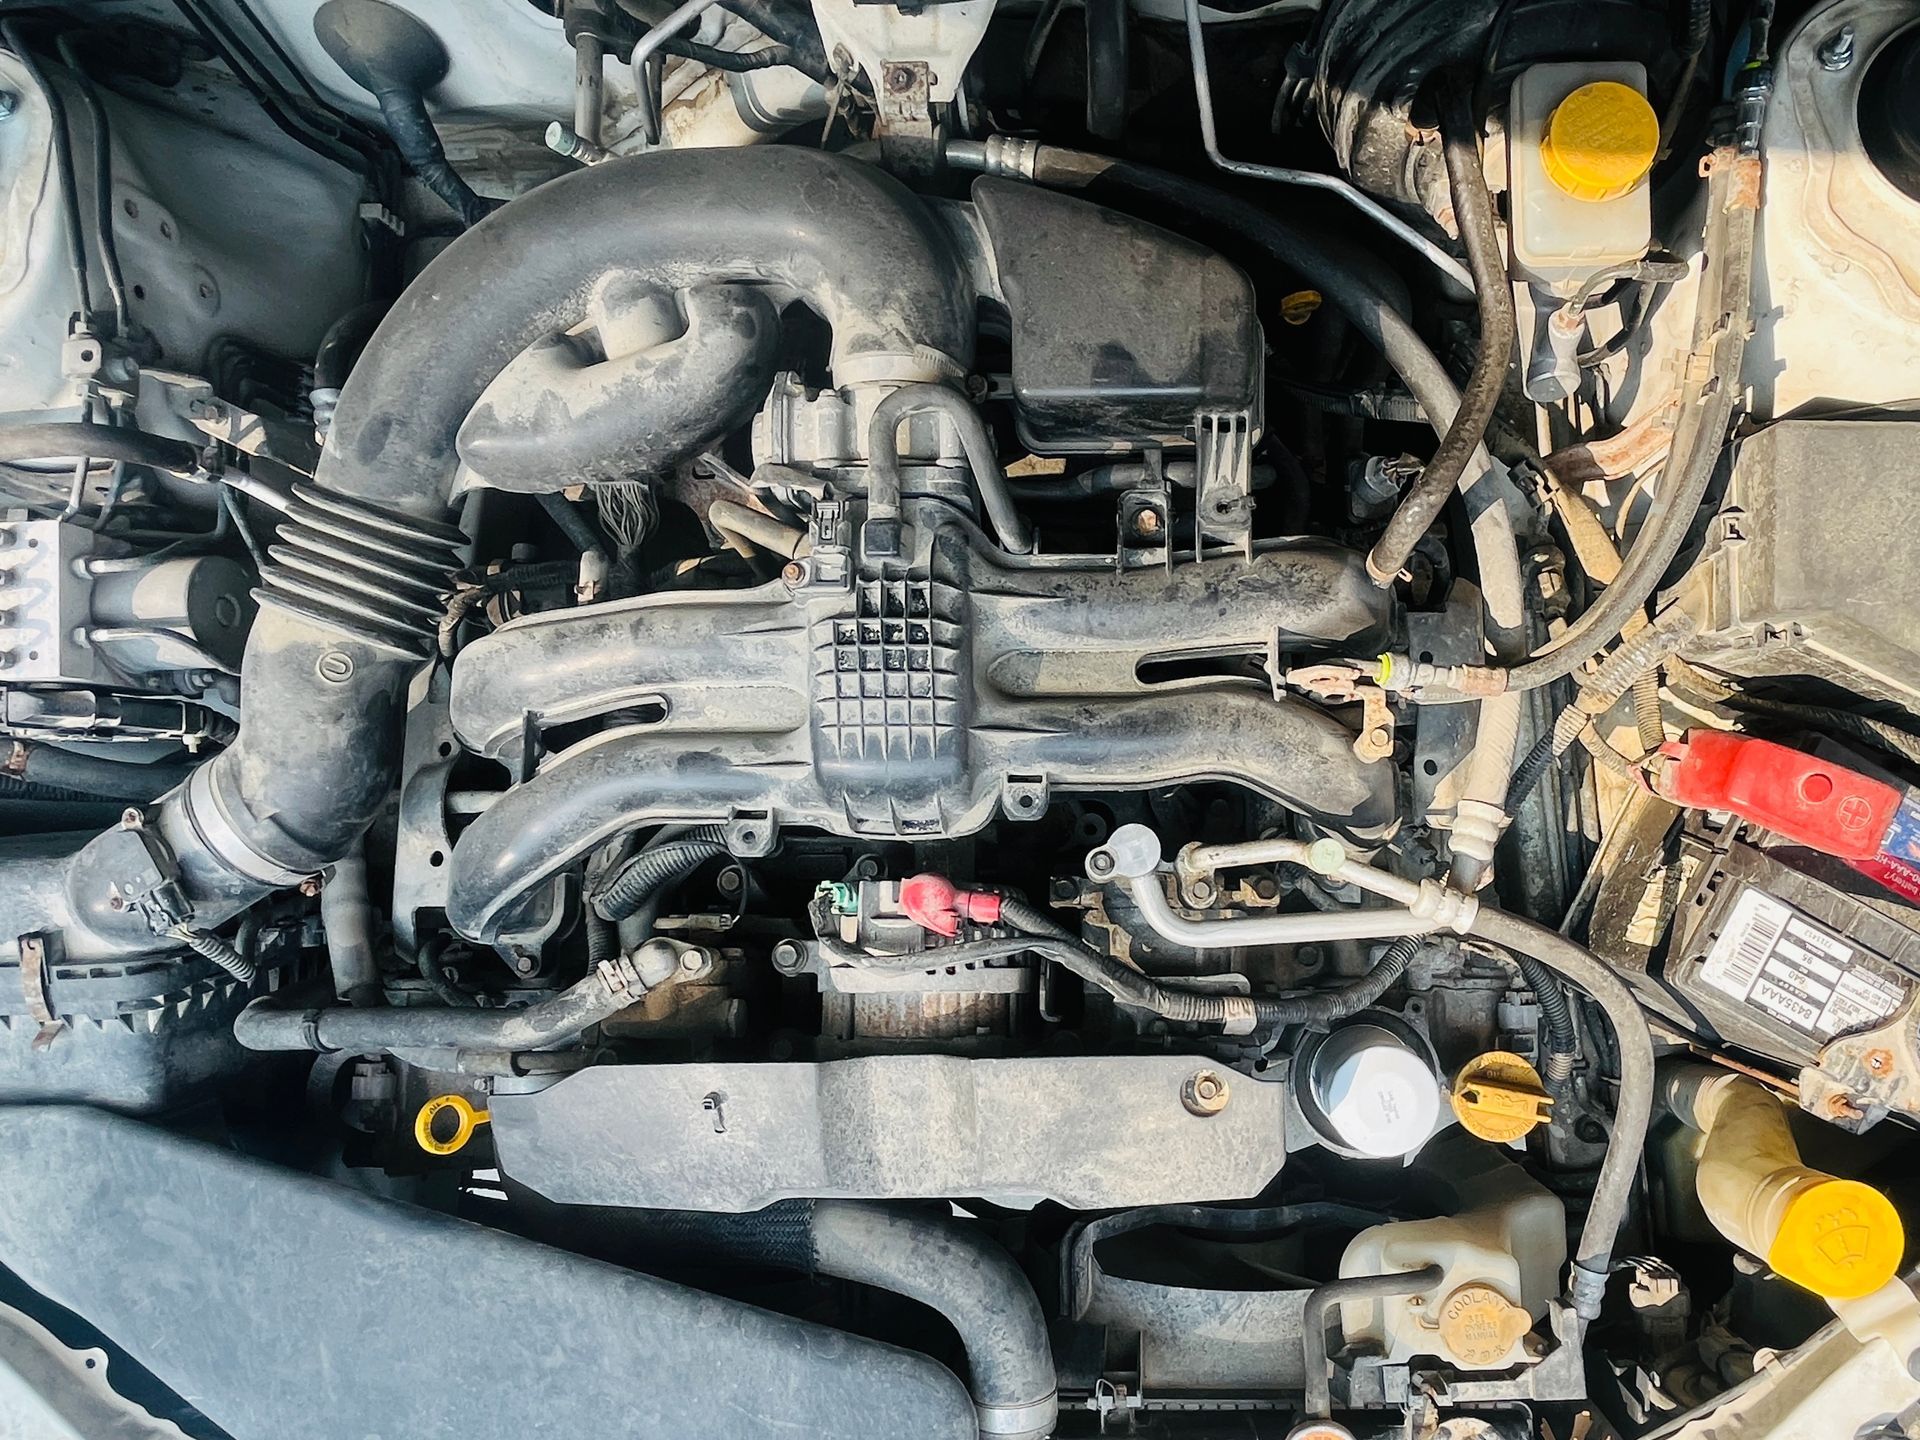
(33, 984)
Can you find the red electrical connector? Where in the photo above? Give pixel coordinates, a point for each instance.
(1812, 801)
(937, 904)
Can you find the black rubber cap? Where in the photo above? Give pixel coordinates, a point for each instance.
(380, 46)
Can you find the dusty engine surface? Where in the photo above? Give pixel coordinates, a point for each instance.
(796, 717)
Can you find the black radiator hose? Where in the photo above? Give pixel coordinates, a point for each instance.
(954, 1266)
(352, 600)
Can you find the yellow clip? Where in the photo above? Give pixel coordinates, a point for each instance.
(466, 1119)
(1385, 672)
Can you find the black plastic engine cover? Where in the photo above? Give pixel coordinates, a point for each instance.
(910, 697)
(1122, 331)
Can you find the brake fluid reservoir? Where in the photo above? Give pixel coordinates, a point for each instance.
(1582, 139)
(1500, 1255)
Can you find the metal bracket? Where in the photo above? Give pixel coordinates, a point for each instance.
(1223, 479)
(33, 984)
(1023, 797)
(904, 120)
(1375, 740)
(751, 834)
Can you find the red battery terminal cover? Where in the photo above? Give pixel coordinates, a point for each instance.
(935, 903)
(1811, 801)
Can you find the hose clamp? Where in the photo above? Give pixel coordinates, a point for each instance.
(1030, 1421)
(1586, 1289)
(310, 1032)
(207, 816)
(1444, 908)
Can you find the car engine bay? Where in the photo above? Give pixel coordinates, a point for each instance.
(971, 718)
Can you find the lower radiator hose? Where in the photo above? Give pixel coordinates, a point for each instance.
(946, 1264)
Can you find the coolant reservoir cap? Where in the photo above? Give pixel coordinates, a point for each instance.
(1600, 141)
(1838, 1238)
(1379, 1096)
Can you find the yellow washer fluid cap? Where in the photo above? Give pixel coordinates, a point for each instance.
(1600, 141)
(1498, 1096)
(1840, 1239)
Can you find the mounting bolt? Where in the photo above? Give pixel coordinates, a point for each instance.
(789, 956)
(311, 886)
(1836, 51)
(1840, 1107)
(1879, 1061)
(900, 78)
(1100, 863)
(1147, 522)
(695, 961)
(1202, 892)
(1205, 1093)
(794, 573)
(523, 964)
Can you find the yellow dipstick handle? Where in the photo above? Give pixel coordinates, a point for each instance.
(1838, 1238)
(466, 1119)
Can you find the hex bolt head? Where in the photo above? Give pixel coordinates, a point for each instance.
(789, 956)
(1205, 1093)
(1836, 51)
(1100, 863)
(794, 573)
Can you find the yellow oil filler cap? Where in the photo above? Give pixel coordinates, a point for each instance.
(1839, 1238)
(1600, 141)
(1498, 1096)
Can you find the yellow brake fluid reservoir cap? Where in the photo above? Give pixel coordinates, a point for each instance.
(1839, 1238)
(1600, 141)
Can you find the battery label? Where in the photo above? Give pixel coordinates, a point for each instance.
(1772, 956)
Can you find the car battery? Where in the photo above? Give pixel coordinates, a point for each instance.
(1771, 959)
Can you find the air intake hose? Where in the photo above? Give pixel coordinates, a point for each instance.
(352, 596)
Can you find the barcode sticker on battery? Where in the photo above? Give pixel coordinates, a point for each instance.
(1770, 955)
